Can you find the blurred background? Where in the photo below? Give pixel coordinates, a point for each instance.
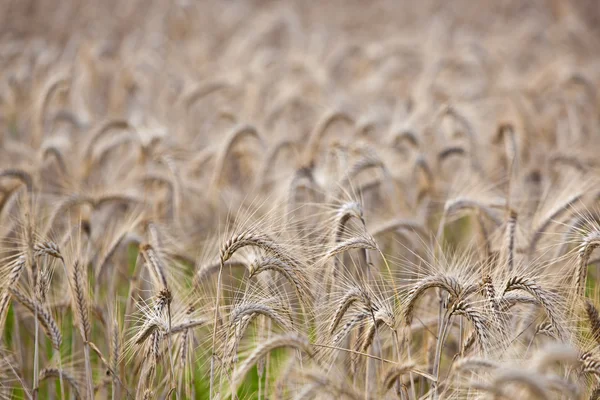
(384, 58)
(226, 103)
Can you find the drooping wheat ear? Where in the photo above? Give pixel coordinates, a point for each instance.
(253, 309)
(552, 217)
(359, 242)
(460, 119)
(13, 277)
(490, 294)
(44, 316)
(101, 131)
(373, 185)
(270, 158)
(345, 212)
(365, 162)
(235, 136)
(80, 300)
(448, 283)
(68, 117)
(476, 319)
(289, 271)
(353, 295)
(589, 243)
(393, 373)
(6, 197)
(20, 175)
(348, 326)
(303, 181)
(54, 150)
(55, 83)
(508, 248)
(405, 134)
(593, 319)
(292, 340)
(157, 268)
(544, 298)
(48, 248)
(118, 198)
(109, 146)
(380, 317)
(48, 373)
(62, 208)
(248, 238)
(314, 140)
(242, 319)
(399, 224)
(203, 89)
(454, 205)
(449, 152)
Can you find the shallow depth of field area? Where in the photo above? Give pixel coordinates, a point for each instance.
(299, 199)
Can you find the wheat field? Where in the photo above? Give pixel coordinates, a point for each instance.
(299, 199)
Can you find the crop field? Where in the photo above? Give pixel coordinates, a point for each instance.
(334, 199)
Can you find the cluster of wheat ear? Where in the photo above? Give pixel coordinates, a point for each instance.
(299, 200)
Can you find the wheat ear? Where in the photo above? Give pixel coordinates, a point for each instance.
(543, 297)
(43, 315)
(449, 284)
(288, 340)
